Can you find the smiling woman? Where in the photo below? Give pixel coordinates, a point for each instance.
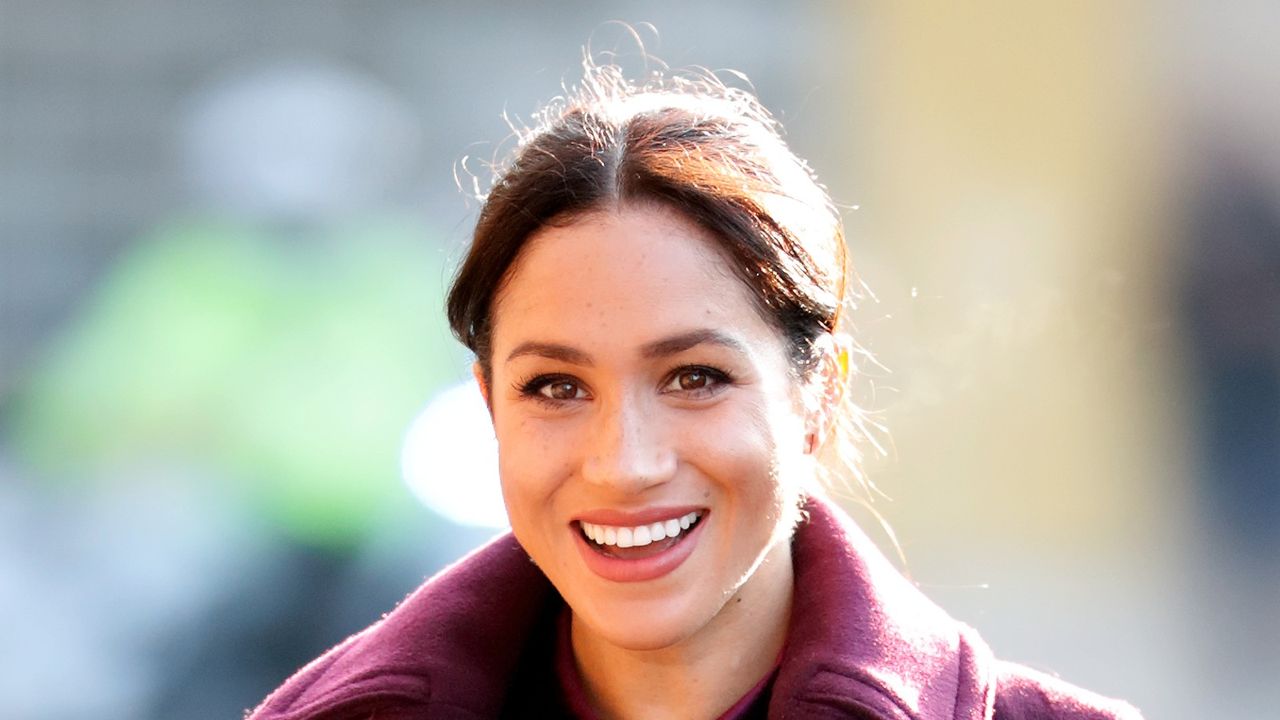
(653, 295)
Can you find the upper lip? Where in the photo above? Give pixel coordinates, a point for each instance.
(631, 518)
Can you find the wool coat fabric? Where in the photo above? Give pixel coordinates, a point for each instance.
(477, 641)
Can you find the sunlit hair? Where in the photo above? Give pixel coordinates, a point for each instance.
(692, 144)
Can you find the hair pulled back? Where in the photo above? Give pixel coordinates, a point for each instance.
(689, 143)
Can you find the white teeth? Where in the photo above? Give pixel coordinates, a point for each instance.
(641, 535)
(658, 531)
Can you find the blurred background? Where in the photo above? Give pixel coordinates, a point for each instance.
(231, 425)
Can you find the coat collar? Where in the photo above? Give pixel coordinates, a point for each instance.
(448, 649)
(861, 639)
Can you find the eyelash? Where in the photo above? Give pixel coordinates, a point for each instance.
(716, 379)
(533, 387)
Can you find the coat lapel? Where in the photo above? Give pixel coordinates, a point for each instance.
(864, 642)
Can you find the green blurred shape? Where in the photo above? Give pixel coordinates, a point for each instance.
(287, 365)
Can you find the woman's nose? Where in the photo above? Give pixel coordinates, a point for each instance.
(628, 448)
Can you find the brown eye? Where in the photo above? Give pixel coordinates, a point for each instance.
(560, 390)
(694, 379)
(554, 389)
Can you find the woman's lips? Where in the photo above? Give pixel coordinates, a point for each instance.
(622, 518)
(645, 551)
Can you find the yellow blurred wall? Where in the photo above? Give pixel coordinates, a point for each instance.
(1008, 157)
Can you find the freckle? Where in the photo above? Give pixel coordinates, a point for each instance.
(706, 493)
(739, 600)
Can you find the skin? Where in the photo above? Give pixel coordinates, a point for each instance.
(591, 412)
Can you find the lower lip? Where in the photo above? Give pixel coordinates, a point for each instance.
(640, 569)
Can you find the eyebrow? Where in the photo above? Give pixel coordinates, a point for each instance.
(684, 341)
(553, 351)
(656, 349)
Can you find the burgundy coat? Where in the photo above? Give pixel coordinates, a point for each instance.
(477, 641)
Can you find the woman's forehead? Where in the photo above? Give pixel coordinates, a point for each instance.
(611, 254)
(624, 275)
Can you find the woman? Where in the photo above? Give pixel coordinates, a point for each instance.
(653, 296)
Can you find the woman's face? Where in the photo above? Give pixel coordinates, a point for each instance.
(651, 441)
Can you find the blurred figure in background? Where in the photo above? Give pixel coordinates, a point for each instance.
(248, 368)
(1231, 300)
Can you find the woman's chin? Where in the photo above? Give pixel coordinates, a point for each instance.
(640, 629)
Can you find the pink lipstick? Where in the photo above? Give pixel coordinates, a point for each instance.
(638, 546)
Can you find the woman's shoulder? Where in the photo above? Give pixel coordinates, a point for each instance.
(1025, 694)
(446, 649)
(861, 633)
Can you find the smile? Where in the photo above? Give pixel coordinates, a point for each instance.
(639, 535)
(640, 552)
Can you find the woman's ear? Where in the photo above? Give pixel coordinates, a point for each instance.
(827, 387)
(478, 373)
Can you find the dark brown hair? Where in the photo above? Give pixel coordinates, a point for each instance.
(707, 151)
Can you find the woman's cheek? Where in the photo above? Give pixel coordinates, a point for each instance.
(531, 464)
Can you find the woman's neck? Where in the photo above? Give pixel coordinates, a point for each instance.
(705, 674)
